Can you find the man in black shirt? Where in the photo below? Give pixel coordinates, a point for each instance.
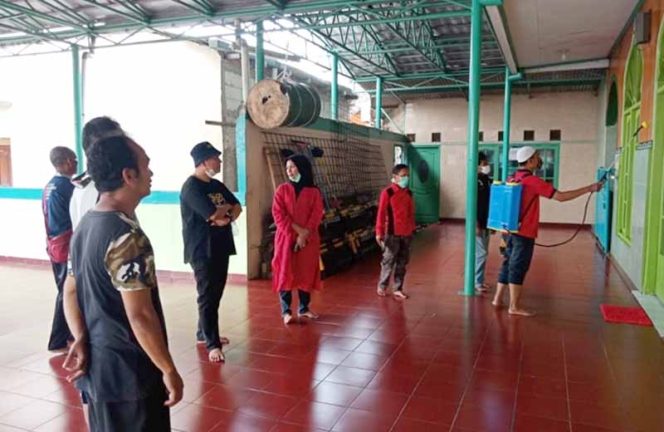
(208, 208)
(482, 234)
(120, 358)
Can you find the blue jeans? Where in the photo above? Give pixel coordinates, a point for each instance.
(518, 255)
(286, 297)
(481, 254)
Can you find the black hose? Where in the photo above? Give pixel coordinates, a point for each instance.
(578, 230)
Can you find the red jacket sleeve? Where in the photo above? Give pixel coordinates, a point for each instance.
(542, 187)
(316, 215)
(282, 219)
(381, 218)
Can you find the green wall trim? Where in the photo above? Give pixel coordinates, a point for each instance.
(20, 193)
(241, 157)
(31, 194)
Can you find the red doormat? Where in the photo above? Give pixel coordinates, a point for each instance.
(625, 315)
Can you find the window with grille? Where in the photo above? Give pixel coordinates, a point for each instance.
(550, 154)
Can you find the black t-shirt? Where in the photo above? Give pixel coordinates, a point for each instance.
(198, 201)
(109, 254)
(483, 197)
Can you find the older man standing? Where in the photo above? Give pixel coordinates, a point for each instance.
(55, 207)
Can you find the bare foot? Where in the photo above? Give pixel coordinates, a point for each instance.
(400, 295)
(497, 303)
(521, 312)
(288, 318)
(216, 356)
(380, 292)
(59, 351)
(308, 315)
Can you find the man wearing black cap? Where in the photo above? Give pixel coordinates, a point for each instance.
(208, 208)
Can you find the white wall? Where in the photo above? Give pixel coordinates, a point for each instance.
(41, 115)
(162, 94)
(574, 113)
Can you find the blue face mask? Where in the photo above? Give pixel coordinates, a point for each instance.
(403, 182)
(296, 178)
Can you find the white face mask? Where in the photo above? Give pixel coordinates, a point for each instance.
(486, 169)
(210, 172)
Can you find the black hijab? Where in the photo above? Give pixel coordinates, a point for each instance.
(306, 172)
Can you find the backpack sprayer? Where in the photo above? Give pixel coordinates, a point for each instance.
(505, 205)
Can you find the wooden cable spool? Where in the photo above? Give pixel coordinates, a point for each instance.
(272, 104)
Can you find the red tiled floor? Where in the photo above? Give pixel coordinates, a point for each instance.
(336, 394)
(71, 421)
(526, 423)
(315, 415)
(437, 362)
(355, 420)
(430, 410)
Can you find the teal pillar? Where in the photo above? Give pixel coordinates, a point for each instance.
(507, 118)
(334, 90)
(507, 109)
(379, 102)
(260, 52)
(473, 137)
(78, 107)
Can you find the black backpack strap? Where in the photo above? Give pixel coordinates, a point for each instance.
(390, 213)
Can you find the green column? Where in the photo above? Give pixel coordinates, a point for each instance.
(473, 136)
(260, 52)
(334, 90)
(507, 108)
(379, 102)
(78, 106)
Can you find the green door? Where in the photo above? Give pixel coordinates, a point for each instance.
(424, 164)
(653, 263)
(659, 285)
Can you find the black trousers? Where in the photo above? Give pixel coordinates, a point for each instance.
(211, 278)
(142, 415)
(517, 259)
(60, 333)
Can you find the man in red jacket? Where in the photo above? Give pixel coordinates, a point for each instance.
(395, 225)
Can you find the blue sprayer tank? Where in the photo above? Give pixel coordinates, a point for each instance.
(504, 207)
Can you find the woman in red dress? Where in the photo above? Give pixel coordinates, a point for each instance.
(298, 210)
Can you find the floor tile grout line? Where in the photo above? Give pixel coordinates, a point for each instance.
(412, 394)
(567, 394)
(403, 341)
(518, 381)
(466, 389)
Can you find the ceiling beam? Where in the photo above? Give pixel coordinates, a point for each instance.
(40, 15)
(498, 22)
(533, 83)
(427, 75)
(569, 66)
(420, 31)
